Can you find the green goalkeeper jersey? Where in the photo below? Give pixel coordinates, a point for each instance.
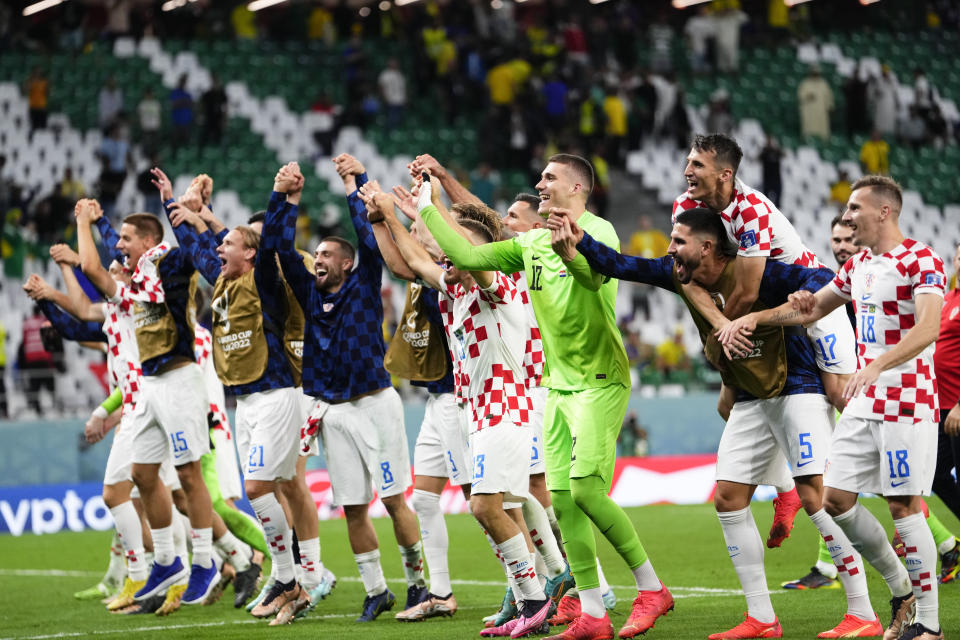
(575, 307)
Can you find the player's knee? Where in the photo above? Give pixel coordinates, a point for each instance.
(395, 505)
(425, 502)
(835, 504)
(481, 509)
(585, 494)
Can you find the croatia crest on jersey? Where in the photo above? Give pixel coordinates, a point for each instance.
(748, 239)
(869, 281)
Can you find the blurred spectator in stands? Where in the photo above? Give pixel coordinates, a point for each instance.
(647, 241)
(181, 112)
(727, 24)
(4, 412)
(244, 22)
(816, 102)
(214, 102)
(369, 106)
(633, 439)
(117, 158)
(36, 364)
(393, 88)
(599, 197)
(575, 42)
(320, 26)
(110, 102)
(38, 96)
(149, 118)
(150, 194)
(678, 121)
(355, 66)
(521, 135)
(922, 93)
(615, 126)
(660, 37)
(699, 31)
(555, 102)
(484, 182)
(840, 190)
(671, 354)
(770, 157)
(118, 20)
(855, 95)
(6, 187)
(71, 189)
(911, 128)
(501, 86)
(875, 155)
(937, 129)
(883, 97)
(324, 114)
(719, 118)
(642, 110)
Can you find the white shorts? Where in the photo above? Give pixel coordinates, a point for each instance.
(171, 417)
(499, 461)
(761, 433)
(442, 449)
(225, 454)
(365, 445)
(834, 342)
(270, 423)
(538, 463)
(886, 458)
(308, 404)
(120, 459)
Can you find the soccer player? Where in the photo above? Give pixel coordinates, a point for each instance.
(360, 412)
(487, 326)
(761, 232)
(159, 296)
(780, 408)
(886, 439)
(587, 375)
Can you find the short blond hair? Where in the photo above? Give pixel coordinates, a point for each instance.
(884, 187)
(251, 239)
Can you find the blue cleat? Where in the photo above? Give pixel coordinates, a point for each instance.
(161, 578)
(373, 606)
(202, 583)
(415, 595)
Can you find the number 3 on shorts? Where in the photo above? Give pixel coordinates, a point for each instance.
(478, 466)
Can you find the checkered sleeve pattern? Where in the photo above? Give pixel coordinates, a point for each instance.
(781, 279)
(609, 262)
(109, 237)
(201, 249)
(461, 379)
(533, 351)
(145, 282)
(123, 355)
(432, 307)
(203, 349)
(279, 235)
(69, 327)
(884, 290)
(750, 222)
(840, 284)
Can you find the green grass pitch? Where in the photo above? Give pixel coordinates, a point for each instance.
(39, 574)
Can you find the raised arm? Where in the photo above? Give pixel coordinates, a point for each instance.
(456, 191)
(196, 239)
(88, 212)
(65, 324)
(76, 303)
(389, 250)
(354, 176)
(381, 211)
(280, 231)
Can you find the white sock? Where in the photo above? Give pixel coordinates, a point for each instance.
(922, 567)
(371, 573)
(540, 567)
(542, 535)
(867, 536)
(746, 552)
(435, 540)
(946, 546)
(412, 564)
(131, 537)
(827, 569)
(646, 578)
(788, 484)
(202, 546)
(591, 602)
(310, 564)
(555, 527)
(181, 536)
(163, 545)
(517, 558)
(604, 586)
(276, 530)
(234, 551)
(849, 565)
(116, 570)
(148, 560)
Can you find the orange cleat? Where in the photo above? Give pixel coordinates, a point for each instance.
(750, 628)
(647, 607)
(568, 610)
(853, 627)
(586, 627)
(785, 507)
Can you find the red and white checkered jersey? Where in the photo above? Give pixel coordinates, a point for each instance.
(123, 354)
(487, 331)
(883, 289)
(533, 352)
(145, 283)
(203, 352)
(756, 226)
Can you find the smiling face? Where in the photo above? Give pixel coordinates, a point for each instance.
(557, 187)
(235, 257)
(132, 244)
(863, 215)
(522, 216)
(687, 250)
(119, 272)
(842, 244)
(331, 264)
(705, 178)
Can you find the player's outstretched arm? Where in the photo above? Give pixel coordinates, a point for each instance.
(77, 303)
(915, 340)
(88, 212)
(576, 264)
(380, 208)
(280, 231)
(456, 191)
(389, 250)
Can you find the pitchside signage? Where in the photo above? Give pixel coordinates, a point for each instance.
(52, 508)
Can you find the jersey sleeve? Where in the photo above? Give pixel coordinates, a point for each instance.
(751, 228)
(840, 284)
(506, 255)
(501, 290)
(926, 273)
(109, 237)
(609, 262)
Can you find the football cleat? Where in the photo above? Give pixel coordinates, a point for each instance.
(280, 594)
(125, 598)
(917, 631)
(950, 563)
(902, 609)
(171, 601)
(750, 628)
(813, 580)
(373, 606)
(785, 507)
(293, 609)
(500, 631)
(415, 595)
(647, 607)
(853, 627)
(432, 607)
(245, 584)
(327, 582)
(568, 610)
(203, 582)
(264, 590)
(162, 577)
(586, 627)
(533, 618)
(508, 611)
(559, 585)
(99, 591)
